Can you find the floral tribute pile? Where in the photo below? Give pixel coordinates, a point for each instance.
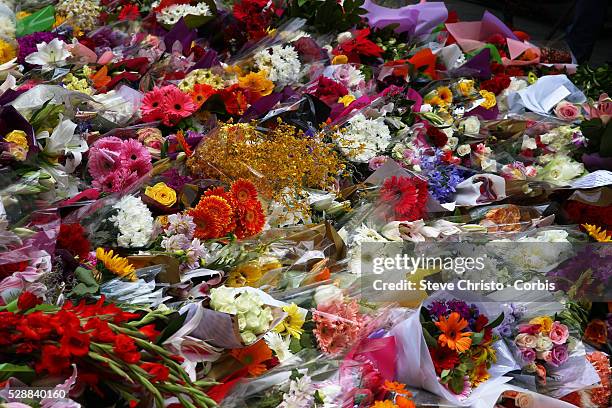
(194, 196)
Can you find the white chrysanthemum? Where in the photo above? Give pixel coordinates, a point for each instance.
(300, 395)
(172, 14)
(281, 62)
(134, 221)
(364, 138)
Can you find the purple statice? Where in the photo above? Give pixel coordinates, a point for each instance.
(175, 180)
(442, 178)
(460, 307)
(593, 259)
(27, 44)
(437, 308)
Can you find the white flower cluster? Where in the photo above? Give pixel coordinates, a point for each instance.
(134, 221)
(172, 14)
(300, 394)
(559, 169)
(364, 138)
(254, 317)
(281, 62)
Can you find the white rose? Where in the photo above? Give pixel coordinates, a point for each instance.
(546, 138)
(426, 108)
(248, 337)
(543, 343)
(471, 125)
(325, 294)
(464, 149)
(529, 143)
(452, 142)
(517, 84)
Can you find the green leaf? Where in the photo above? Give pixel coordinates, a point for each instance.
(429, 339)
(496, 322)
(444, 373)
(8, 370)
(87, 283)
(174, 323)
(477, 338)
(457, 383)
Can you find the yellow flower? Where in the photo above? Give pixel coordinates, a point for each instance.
(489, 101)
(19, 144)
(466, 87)
(384, 404)
(479, 375)
(7, 51)
(269, 264)
(545, 323)
(246, 274)
(116, 264)
(161, 193)
(292, 325)
(599, 234)
(257, 82)
(445, 94)
(346, 100)
(340, 59)
(436, 101)
(22, 14)
(532, 78)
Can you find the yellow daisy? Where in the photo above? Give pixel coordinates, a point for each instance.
(292, 325)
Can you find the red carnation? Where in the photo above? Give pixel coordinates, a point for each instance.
(496, 84)
(329, 91)
(159, 372)
(72, 238)
(28, 300)
(443, 359)
(407, 195)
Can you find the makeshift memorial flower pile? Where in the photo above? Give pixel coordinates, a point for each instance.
(300, 204)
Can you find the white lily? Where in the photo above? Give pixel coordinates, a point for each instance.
(51, 55)
(63, 141)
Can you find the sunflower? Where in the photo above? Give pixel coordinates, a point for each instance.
(445, 94)
(201, 93)
(451, 336)
(116, 264)
(292, 325)
(213, 217)
(598, 233)
(244, 191)
(257, 82)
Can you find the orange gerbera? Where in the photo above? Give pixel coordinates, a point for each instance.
(244, 191)
(258, 83)
(251, 220)
(213, 217)
(253, 357)
(452, 336)
(201, 93)
(396, 387)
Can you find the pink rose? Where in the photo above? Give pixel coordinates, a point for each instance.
(558, 333)
(567, 111)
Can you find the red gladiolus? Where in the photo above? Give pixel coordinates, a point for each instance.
(28, 300)
(126, 349)
(101, 330)
(75, 343)
(35, 326)
(158, 371)
(53, 360)
(149, 331)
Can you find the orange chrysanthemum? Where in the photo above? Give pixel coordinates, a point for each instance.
(213, 217)
(244, 191)
(396, 387)
(251, 220)
(253, 357)
(452, 336)
(201, 93)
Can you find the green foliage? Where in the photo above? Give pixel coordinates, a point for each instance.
(327, 15)
(593, 81)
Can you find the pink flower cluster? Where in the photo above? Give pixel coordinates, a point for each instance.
(338, 325)
(168, 104)
(116, 164)
(536, 344)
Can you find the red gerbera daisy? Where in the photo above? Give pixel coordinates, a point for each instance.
(443, 358)
(406, 195)
(244, 191)
(151, 106)
(251, 220)
(177, 105)
(213, 217)
(201, 93)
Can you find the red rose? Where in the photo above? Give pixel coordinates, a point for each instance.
(329, 91)
(496, 84)
(437, 137)
(73, 239)
(159, 372)
(28, 300)
(309, 50)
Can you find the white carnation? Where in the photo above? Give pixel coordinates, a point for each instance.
(281, 62)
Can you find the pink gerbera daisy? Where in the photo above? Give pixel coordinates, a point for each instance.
(135, 157)
(116, 181)
(177, 105)
(152, 105)
(102, 161)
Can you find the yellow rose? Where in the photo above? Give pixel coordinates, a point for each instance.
(466, 87)
(545, 323)
(340, 60)
(19, 144)
(490, 100)
(161, 193)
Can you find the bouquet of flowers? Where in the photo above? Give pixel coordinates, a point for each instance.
(449, 348)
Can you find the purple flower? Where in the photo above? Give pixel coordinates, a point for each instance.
(504, 330)
(460, 307)
(174, 179)
(528, 355)
(437, 308)
(559, 355)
